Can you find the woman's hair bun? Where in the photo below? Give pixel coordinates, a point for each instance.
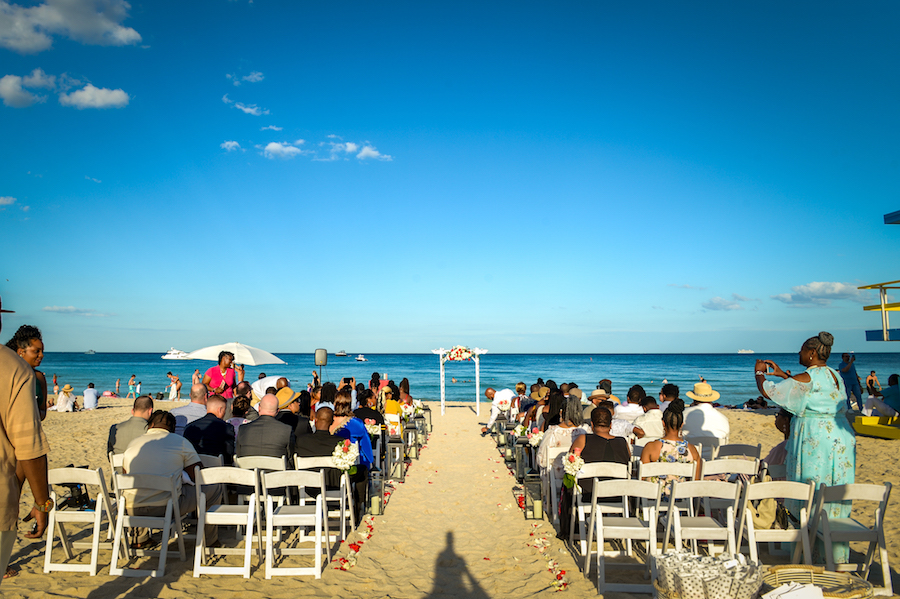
(676, 406)
(826, 338)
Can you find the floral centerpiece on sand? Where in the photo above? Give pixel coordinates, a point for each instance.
(345, 455)
(459, 353)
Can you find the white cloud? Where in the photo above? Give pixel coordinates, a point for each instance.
(271, 128)
(684, 286)
(369, 152)
(253, 77)
(740, 298)
(281, 150)
(92, 179)
(7, 200)
(13, 95)
(251, 109)
(95, 97)
(820, 294)
(227, 100)
(333, 136)
(72, 310)
(230, 146)
(39, 78)
(719, 303)
(28, 29)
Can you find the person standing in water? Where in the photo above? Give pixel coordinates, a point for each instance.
(131, 393)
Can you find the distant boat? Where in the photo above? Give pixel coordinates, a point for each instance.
(90, 352)
(746, 351)
(361, 358)
(175, 354)
(341, 354)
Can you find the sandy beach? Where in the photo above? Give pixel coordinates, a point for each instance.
(451, 529)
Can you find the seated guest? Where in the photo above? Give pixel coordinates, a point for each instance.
(631, 409)
(211, 435)
(551, 415)
(391, 405)
(667, 394)
(195, 410)
(122, 434)
(243, 389)
(703, 420)
(239, 408)
(560, 435)
(889, 402)
(671, 447)
(778, 455)
(347, 426)
(539, 397)
(65, 401)
(321, 443)
(594, 399)
(498, 398)
(304, 423)
(162, 452)
(91, 397)
(523, 401)
(600, 446)
(606, 385)
(367, 410)
(650, 421)
(288, 407)
(266, 436)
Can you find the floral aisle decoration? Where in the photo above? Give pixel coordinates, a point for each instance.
(407, 411)
(541, 543)
(345, 455)
(573, 463)
(504, 405)
(535, 437)
(372, 427)
(458, 353)
(363, 533)
(519, 430)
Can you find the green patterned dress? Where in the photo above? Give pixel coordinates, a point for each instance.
(822, 444)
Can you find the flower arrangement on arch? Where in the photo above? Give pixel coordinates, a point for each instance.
(535, 437)
(572, 463)
(459, 353)
(345, 455)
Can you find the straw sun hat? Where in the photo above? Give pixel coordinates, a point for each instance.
(540, 393)
(286, 396)
(68, 388)
(703, 392)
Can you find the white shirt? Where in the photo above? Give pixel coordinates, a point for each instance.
(259, 386)
(628, 411)
(65, 402)
(652, 425)
(91, 397)
(501, 395)
(703, 420)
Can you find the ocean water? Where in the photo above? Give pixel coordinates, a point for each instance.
(730, 374)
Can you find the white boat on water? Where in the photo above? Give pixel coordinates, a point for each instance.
(746, 351)
(361, 358)
(341, 354)
(175, 354)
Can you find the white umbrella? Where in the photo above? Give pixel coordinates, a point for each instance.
(243, 354)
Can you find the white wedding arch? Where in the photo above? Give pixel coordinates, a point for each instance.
(459, 353)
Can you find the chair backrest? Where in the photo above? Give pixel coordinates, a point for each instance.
(211, 461)
(261, 462)
(729, 466)
(312, 463)
(781, 490)
(713, 489)
(554, 454)
(775, 470)
(393, 424)
(707, 447)
(735, 449)
(75, 476)
(604, 470)
(636, 450)
(626, 488)
(684, 469)
(293, 478)
(116, 460)
(856, 492)
(226, 475)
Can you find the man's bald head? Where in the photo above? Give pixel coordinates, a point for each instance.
(281, 383)
(489, 393)
(198, 393)
(324, 419)
(268, 405)
(216, 405)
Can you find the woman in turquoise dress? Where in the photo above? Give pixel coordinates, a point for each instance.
(822, 444)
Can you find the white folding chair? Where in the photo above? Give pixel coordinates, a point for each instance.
(551, 484)
(295, 515)
(802, 492)
(236, 515)
(57, 518)
(343, 496)
(725, 469)
(773, 471)
(394, 426)
(739, 449)
(261, 464)
(707, 447)
(211, 461)
(622, 527)
(170, 523)
(686, 470)
(845, 530)
(580, 510)
(116, 461)
(700, 527)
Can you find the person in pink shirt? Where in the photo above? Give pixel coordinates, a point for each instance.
(222, 378)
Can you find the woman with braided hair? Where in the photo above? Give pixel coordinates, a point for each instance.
(822, 444)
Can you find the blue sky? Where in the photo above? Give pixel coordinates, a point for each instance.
(394, 177)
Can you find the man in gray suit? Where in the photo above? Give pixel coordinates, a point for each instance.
(122, 434)
(265, 435)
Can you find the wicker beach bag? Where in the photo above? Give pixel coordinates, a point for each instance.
(833, 584)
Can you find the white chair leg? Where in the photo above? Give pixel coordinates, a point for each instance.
(885, 567)
(164, 546)
(95, 540)
(114, 569)
(269, 545)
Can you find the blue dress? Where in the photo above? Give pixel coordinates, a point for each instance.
(822, 444)
(355, 430)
